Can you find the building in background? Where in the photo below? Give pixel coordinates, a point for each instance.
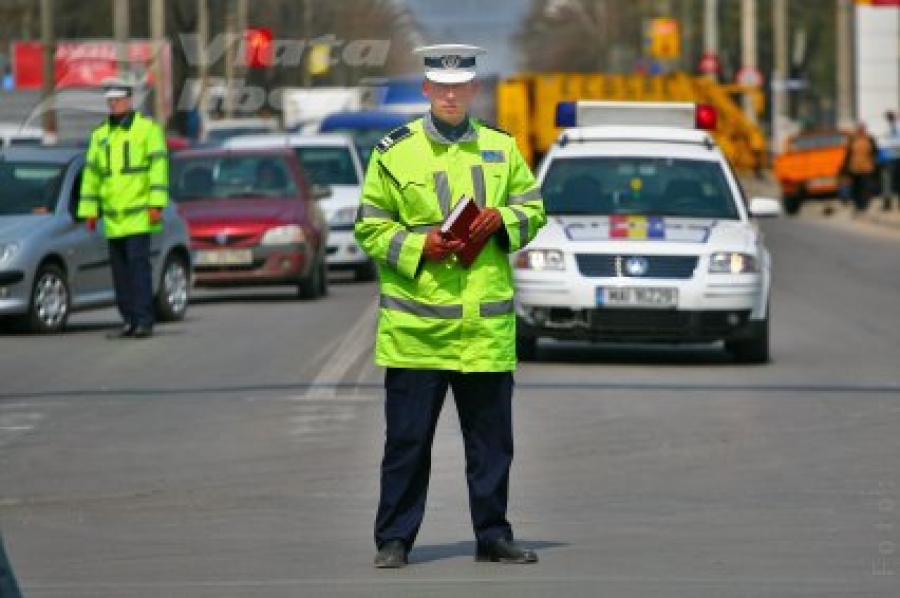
(877, 61)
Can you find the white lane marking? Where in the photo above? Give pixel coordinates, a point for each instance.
(348, 351)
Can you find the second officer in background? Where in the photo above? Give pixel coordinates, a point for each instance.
(126, 182)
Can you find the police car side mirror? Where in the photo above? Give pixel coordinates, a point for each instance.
(764, 207)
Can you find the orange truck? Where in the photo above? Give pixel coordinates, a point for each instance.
(809, 167)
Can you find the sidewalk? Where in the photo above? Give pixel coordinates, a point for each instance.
(832, 210)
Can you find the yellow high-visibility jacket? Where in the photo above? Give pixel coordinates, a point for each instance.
(126, 172)
(440, 315)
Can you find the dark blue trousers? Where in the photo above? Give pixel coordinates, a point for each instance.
(8, 586)
(133, 278)
(412, 407)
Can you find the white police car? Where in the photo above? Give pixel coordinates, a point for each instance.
(649, 236)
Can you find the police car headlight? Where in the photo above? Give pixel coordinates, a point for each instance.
(284, 235)
(540, 259)
(725, 262)
(342, 217)
(8, 251)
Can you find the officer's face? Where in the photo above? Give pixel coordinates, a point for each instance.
(119, 106)
(450, 101)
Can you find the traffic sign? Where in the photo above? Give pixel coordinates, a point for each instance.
(709, 63)
(749, 76)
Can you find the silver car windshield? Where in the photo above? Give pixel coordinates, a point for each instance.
(605, 186)
(29, 187)
(328, 165)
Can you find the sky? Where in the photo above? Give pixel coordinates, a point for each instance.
(490, 25)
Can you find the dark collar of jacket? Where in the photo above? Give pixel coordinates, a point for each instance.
(434, 131)
(125, 121)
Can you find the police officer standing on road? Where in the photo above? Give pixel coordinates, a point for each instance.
(442, 325)
(125, 182)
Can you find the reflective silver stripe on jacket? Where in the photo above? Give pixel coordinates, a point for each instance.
(370, 211)
(532, 195)
(496, 308)
(125, 211)
(522, 217)
(409, 306)
(478, 185)
(422, 228)
(395, 247)
(445, 312)
(159, 188)
(442, 186)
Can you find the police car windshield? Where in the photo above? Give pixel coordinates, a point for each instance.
(605, 186)
(28, 188)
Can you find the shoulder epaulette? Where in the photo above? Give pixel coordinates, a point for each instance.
(494, 128)
(392, 138)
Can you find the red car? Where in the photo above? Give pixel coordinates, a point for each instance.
(253, 218)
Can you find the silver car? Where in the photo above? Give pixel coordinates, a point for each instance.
(50, 263)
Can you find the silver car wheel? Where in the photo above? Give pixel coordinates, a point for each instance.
(51, 300)
(175, 286)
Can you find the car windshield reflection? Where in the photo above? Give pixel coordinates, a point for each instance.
(606, 186)
(325, 165)
(232, 177)
(28, 188)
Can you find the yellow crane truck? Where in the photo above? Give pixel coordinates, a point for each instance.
(526, 107)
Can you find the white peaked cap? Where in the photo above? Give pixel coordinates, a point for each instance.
(449, 63)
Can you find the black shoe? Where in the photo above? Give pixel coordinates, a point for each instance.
(392, 555)
(143, 331)
(126, 331)
(503, 550)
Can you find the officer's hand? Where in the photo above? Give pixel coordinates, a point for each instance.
(154, 215)
(90, 224)
(485, 224)
(437, 247)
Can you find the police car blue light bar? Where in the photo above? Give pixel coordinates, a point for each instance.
(683, 115)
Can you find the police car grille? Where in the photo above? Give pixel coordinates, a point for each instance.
(658, 266)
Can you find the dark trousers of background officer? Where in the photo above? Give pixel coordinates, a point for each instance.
(133, 278)
(8, 586)
(412, 407)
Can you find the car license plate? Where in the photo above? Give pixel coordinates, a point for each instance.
(637, 297)
(224, 257)
(822, 182)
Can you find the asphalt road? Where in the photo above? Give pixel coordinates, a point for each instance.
(236, 454)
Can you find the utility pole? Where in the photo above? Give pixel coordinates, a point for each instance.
(778, 84)
(202, 40)
(48, 43)
(748, 48)
(711, 35)
(121, 9)
(229, 58)
(845, 53)
(157, 34)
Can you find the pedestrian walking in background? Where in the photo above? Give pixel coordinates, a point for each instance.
(442, 325)
(860, 167)
(126, 183)
(890, 148)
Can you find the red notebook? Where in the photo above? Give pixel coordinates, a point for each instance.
(456, 226)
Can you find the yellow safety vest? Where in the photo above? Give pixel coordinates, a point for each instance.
(126, 172)
(439, 315)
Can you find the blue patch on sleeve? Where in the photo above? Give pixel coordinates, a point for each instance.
(493, 156)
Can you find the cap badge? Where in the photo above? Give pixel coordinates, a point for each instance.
(451, 61)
